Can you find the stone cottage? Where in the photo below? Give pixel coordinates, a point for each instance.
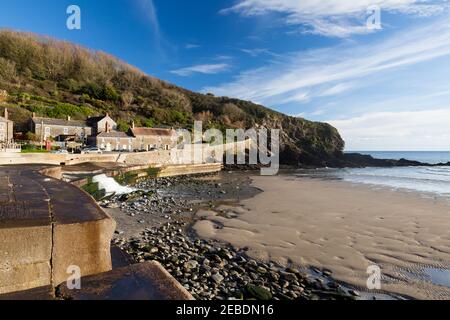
(59, 129)
(101, 124)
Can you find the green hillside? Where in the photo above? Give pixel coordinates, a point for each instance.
(56, 79)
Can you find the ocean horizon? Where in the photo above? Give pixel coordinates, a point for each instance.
(430, 157)
(428, 180)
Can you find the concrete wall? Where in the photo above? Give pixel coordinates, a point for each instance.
(54, 159)
(45, 230)
(191, 154)
(31, 158)
(25, 255)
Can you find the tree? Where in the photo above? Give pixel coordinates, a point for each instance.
(122, 125)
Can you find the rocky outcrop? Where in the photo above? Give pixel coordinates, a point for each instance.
(357, 160)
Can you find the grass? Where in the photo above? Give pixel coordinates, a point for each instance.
(127, 178)
(153, 172)
(93, 190)
(34, 150)
(131, 177)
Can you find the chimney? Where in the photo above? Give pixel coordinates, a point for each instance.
(132, 124)
(68, 118)
(106, 127)
(33, 115)
(6, 114)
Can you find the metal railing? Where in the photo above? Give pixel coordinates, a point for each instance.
(5, 147)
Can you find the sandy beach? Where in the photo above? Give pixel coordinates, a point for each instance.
(343, 227)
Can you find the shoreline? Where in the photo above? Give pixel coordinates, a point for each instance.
(398, 239)
(229, 270)
(213, 208)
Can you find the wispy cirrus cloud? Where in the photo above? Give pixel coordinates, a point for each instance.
(256, 51)
(190, 46)
(203, 69)
(336, 18)
(148, 8)
(331, 71)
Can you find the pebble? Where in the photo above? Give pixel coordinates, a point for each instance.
(217, 278)
(208, 269)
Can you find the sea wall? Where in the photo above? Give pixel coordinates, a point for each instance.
(203, 153)
(47, 226)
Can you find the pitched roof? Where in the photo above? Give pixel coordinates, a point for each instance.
(152, 132)
(59, 122)
(113, 134)
(94, 120)
(3, 119)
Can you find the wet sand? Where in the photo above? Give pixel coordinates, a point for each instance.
(342, 227)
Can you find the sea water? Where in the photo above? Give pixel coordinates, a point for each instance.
(427, 179)
(110, 185)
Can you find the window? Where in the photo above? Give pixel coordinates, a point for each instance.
(66, 131)
(2, 126)
(47, 130)
(2, 137)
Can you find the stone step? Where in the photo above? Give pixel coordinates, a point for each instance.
(143, 281)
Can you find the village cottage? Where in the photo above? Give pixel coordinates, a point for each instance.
(59, 129)
(101, 124)
(146, 139)
(6, 129)
(112, 141)
(101, 132)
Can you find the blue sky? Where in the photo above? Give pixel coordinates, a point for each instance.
(384, 89)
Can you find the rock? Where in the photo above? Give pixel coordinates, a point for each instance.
(327, 272)
(261, 270)
(275, 276)
(206, 262)
(153, 250)
(354, 293)
(112, 205)
(192, 264)
(289, 276)
(217, 278)
(252, 263)
(258, 292)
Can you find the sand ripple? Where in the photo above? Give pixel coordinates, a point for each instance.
(342, 227)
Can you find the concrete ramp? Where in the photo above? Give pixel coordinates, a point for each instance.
(46, 226)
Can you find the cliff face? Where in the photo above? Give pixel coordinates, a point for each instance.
(58, 79)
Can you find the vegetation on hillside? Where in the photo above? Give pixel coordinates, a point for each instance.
(56, 79)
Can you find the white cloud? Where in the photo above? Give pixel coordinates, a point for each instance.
(202, 68)
(149, 9)
(191, 46)
(415, 130)
(339, 18)
(331, 71)
(255, 52)
(337, 89)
